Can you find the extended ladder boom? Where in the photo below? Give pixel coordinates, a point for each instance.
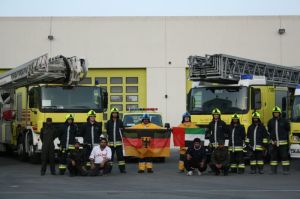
(221, 68)
(59, 69)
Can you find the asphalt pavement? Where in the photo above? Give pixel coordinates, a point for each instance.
(23, 180)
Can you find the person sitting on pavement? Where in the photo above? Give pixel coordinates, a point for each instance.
(220, 159)
(195, 158)
(76, 161)
(100, 157)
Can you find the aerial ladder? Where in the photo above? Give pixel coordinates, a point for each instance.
(59, 70)
(222, 68)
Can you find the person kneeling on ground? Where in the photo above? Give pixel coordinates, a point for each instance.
(76, 161)
(100, 157)
(220, 159)
(195, 158)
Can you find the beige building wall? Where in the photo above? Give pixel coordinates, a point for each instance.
(161, 44)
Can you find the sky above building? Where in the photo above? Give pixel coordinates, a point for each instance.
(148, 7)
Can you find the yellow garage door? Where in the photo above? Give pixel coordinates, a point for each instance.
(126, 87)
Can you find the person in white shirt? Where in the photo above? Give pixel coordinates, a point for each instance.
(100, 157)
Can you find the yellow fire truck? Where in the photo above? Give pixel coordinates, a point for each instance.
(39, 89)
(238, 85)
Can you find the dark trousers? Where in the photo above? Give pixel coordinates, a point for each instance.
(63, 155)
(77, 169)
(48, 155)
(118, 150)
(217, 171)
(237, 160)
(99, 170)
(257, 160)
(87, 152)
(280, 153)
(194, 164)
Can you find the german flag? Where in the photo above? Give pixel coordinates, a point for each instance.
(184, 137)
(146, 142)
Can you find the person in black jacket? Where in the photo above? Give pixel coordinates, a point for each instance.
(76, 161)
(68, 132)
(48, 134)
(217, 129)
(91, 132)
(279, 129)
(114, 127)
(256, 141)
(220, 159)
(237, 136)
(195, 158)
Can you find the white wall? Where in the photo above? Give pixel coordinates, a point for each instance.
(151, 42)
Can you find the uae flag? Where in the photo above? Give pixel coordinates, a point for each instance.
(144, 143)
(183, 137)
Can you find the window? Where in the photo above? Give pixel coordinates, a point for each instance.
(116, 89)
(101, 80)
(116, 98)
(131, 106)
(116, 80)
(104, 88)
(131, 89)
(86, 80)
(118, 106)
(132, 80)
(256, 98)
(131, 98)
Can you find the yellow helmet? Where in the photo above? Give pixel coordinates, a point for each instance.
(216, 111)
(92, 113)
(114, 110)
(276, 109)
(256, 115)
(69, 116)
(235, 116)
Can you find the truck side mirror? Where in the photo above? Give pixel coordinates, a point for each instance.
(167, 125)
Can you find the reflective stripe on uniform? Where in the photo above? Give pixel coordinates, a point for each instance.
(71, 147)
(283, 142)
(260, 162)
(247, 140)
(273, 163)
(236, 148)
(253, 162)
(62, 166)
(241, 166)
(233, 166)
(121, 163)
(88, 164)
(265, 141)
(285, 163)
(259, 148)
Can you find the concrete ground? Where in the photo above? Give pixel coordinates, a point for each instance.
(23, 180)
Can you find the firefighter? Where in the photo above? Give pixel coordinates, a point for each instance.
(91, 132)
(100, 158)
(256, 141)
(114, 128)
(185, 123)
(48, 134)
(279, 129)
(220, 159)
(217, 129)
(68, 132)
(76, 161)
(195, 158)
(236, 142)
(146, 163)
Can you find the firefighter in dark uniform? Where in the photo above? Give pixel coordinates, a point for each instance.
(279, 129)
(114, 128)
(217, 129)
(185, 123)
(76, 160)
(91, 132)
(220, 159)
(237, 136)
(256, 141)
(68, 132)
(48, 134)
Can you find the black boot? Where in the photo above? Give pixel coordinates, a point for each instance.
(241, 171)
(253, 169)
(273, 170)
(261, 169)
(233, 170)
(286, 170)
